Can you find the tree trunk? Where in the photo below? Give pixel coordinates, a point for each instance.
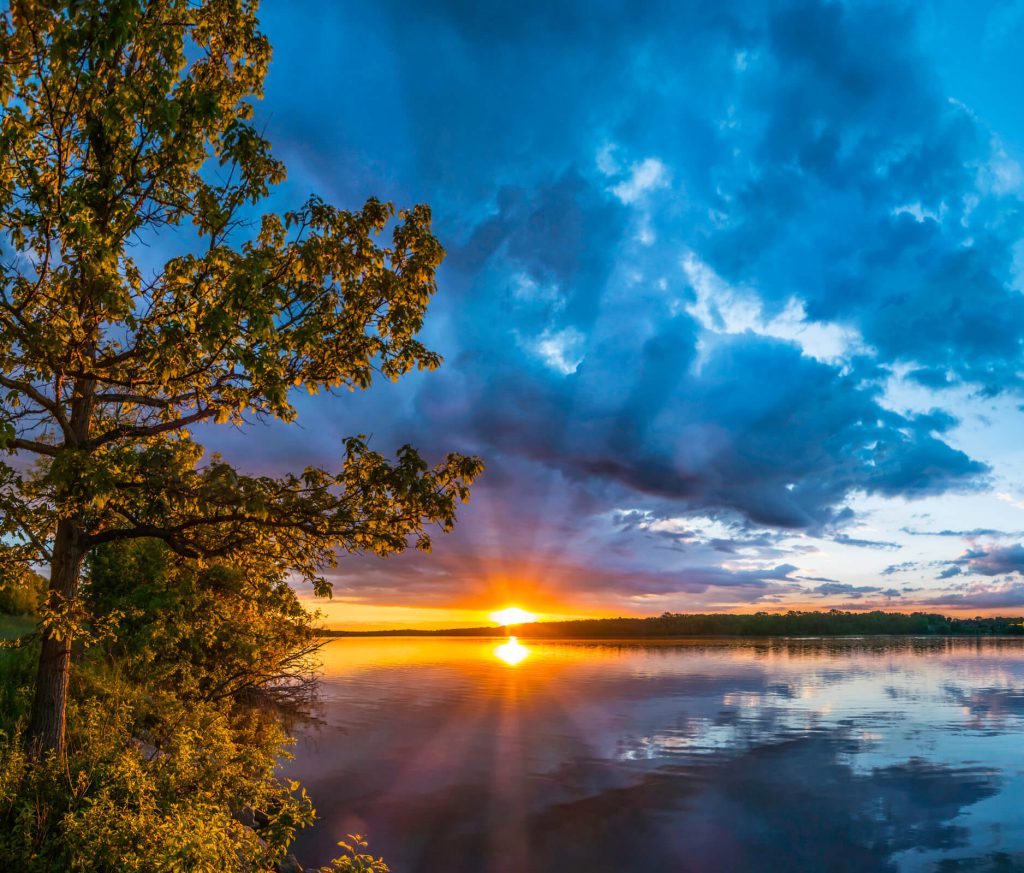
(46, 732)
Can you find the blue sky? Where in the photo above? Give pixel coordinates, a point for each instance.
(732, 307)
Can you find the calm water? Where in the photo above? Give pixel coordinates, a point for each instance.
(799, 755)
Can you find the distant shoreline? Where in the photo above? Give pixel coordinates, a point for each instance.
(686, 626)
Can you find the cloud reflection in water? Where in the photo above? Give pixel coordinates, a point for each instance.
(702, 756)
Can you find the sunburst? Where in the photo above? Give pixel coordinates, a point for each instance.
(512, 615)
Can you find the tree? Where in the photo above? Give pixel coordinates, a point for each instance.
(127, 121)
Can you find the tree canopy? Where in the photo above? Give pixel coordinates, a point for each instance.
(124, 122)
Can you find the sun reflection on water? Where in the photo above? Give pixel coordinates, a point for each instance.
(512, 652)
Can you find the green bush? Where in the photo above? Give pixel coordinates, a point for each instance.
(354, 860)
(208, 632)
(151, 783)
(172, 758)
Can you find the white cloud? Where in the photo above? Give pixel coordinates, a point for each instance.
(1009, 498)
(1001, 174)
(606, 161)
(919, 212)
(723, 308)
(645, 232)
(649, 175)
(561, 350)
(527, 290)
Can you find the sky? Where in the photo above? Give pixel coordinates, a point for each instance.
(732, 307)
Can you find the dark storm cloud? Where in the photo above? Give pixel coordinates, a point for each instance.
(918, 251)
(994, 561)
(759, 430)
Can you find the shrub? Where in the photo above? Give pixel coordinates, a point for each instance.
(150, 784)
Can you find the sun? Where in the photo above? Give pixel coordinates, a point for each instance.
(512, 615)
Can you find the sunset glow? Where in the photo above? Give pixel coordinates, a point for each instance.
(512, 615)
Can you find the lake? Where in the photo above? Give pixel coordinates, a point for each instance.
(865, 754)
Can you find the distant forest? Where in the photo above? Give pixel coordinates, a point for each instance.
(760, 624)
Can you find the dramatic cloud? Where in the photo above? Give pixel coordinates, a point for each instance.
(737, 270)
(994, 561)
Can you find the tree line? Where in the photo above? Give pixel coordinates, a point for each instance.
(833, 622)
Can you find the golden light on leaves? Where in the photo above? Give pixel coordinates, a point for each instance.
(512, 615)
(512, 652)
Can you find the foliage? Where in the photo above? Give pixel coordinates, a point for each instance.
(21, 589)
(127, 121)
(123, 122)
(121, 119)
(170, 763)
(172, 759)
(177, 800)
(209, 632)
(354, 860)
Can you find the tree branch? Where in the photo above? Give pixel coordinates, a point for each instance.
(51, 406)
(37, 447)
(126, 431)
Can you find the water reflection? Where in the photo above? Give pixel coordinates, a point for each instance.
(512, 652)
(856, 754)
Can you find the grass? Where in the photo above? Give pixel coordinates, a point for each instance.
(14, 626)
